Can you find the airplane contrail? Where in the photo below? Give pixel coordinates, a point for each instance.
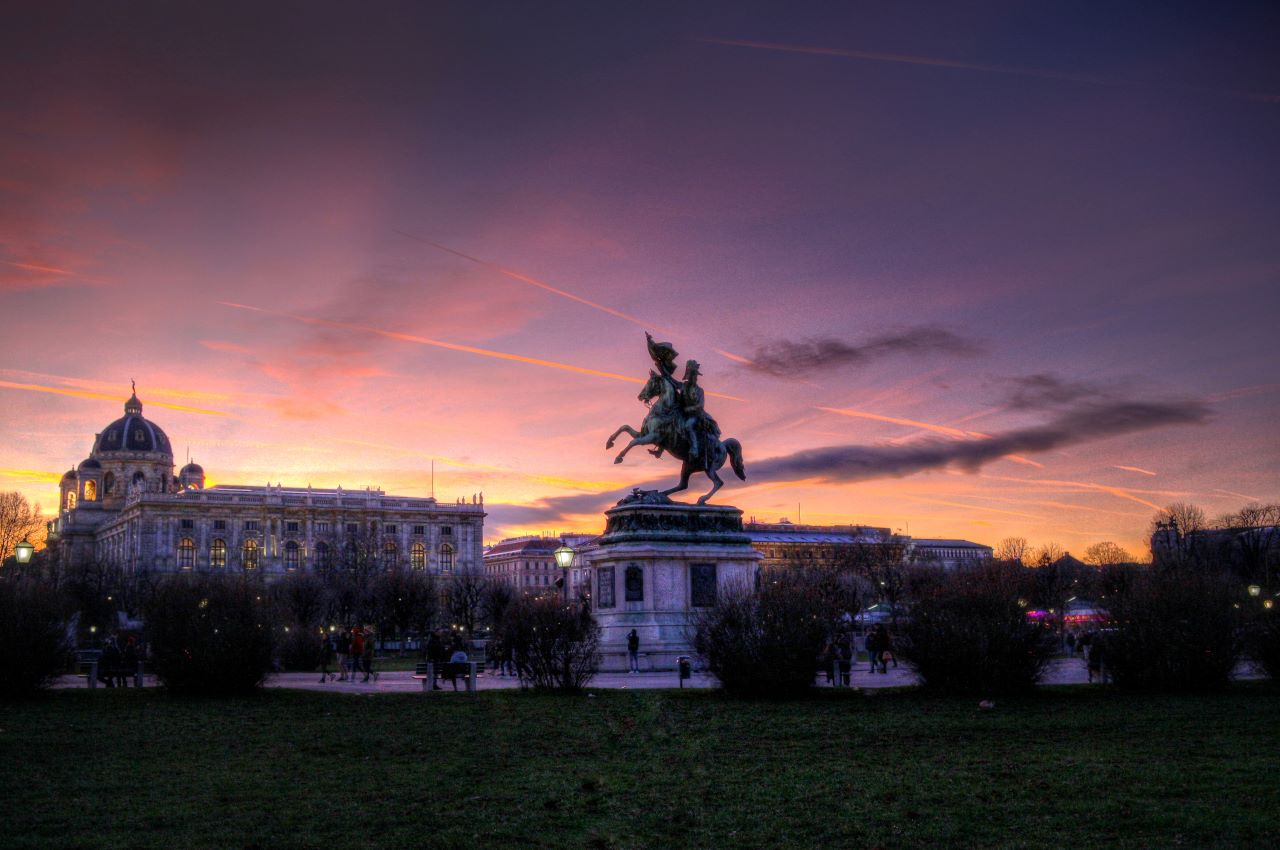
(533, 281)
(37, 388)
(451, 346)
(1010, 70)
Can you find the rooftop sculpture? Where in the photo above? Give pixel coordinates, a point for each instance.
(678, 424)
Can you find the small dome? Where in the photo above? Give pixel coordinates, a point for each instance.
(69, 475)
(88, 465)
(192, 468)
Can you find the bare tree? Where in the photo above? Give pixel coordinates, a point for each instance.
(882, 566)
(465, 594)
(301, 598)
(407, 600)
(1106, 554)
(1048, 554)
(1181, 523)
(1012, 549)
(19, 520)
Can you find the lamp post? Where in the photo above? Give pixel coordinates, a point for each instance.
(1255, 590)
(23, 551)
(564, 560)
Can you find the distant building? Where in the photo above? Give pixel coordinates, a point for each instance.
(124, 506)
(787, 544)
(527, 564)
(946, 553)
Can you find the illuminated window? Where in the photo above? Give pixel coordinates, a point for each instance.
(389, 554)
(324, 556)
(218, 554)
(418, 556)
(71, 500)
(249, 554)
(90, 491)
(186, 554)
(291, 553)
(446, 558)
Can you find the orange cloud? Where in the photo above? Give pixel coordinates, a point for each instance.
(1137, 469)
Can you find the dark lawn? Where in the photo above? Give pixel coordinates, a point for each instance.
(1070, 768)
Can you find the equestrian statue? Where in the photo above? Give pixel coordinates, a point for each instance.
(678, 423)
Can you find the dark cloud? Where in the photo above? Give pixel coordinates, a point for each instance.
(1082, 425)
(1045, 390)
(789, 358)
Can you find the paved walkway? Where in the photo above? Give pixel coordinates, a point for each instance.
(1062, 671)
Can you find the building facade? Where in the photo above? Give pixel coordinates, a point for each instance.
(124, 506)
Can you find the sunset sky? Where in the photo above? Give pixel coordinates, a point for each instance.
(972, 270)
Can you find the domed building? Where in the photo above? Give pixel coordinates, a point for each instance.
(123, 506)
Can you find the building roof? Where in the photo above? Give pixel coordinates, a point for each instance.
(944, 543)
(538, 546)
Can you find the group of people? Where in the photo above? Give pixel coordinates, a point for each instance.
(1091, 645)
(118, 663)
(838, 654)
(353, 650)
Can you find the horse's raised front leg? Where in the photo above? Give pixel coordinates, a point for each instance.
(716, 481)
(685, 472)
(632, 431)
(640, 440)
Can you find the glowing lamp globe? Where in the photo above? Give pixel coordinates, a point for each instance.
(564, 557)
(23, 552)
(1255, 590)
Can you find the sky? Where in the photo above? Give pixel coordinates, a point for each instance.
(962, 270)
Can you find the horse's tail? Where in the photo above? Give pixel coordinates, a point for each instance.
(735, 455)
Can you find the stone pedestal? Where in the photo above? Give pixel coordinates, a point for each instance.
(658, 563)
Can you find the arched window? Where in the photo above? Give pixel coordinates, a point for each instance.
(249, 554)
(90, 490)
(71, 500)
(389, 554)
(218, 554)
(291, 553)
(418, 556)
(108, 483)
(324, 558)
(446, 558)
(186, 554)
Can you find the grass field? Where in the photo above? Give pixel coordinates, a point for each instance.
(1068, 768)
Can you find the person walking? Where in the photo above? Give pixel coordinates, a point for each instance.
(343, 651)
(886, 649)
(366, 657)
(458, 661)
(327, 652)
(872, 643)
(633, 652)
(357, 650)
(844, 652)
(436, 654)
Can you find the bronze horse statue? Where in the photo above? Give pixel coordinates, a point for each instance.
(662, 428)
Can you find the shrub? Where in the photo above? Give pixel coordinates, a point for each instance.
(298, 648)
(1173, 630)
(33, 633)
(969, 634)
(767, 643)
(209, 635)
(1263, 643)
(555, 644)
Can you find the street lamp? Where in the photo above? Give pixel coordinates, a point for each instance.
(23, 551)
(564, 560)
(1254, 590)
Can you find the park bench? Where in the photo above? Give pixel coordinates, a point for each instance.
(427, 672)
(87, 667)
